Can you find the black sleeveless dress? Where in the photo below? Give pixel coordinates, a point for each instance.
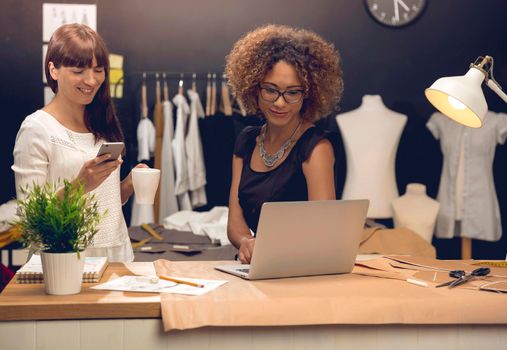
(285, 183)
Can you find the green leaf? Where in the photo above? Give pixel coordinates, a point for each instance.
(58, 224)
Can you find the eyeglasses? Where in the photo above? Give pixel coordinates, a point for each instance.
(270, 94)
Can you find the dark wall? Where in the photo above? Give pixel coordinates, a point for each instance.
(194, 35)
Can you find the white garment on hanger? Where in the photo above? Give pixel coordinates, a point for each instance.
(143, 213)
(179, 152)
(195, 158)
(145, 139)
(168, 200)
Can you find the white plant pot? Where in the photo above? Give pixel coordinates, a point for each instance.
(63, 272)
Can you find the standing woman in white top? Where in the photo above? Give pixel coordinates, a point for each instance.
(61, 140)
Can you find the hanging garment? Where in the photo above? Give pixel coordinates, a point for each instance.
(145, 139)
(143, 213)
(479, 214)
(180, 158)
(168, 200)
(195, 158)
(158, 119)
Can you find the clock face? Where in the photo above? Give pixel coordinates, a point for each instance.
(395, 13)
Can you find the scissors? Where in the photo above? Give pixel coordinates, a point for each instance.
(481, 271)
(460, 276)
(456, 274)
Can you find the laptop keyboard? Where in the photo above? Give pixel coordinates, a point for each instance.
(244, 270)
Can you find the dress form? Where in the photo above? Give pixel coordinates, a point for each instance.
(371, 134)
(416, 211)
(466, 242)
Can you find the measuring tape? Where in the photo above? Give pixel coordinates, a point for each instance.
(492, 263)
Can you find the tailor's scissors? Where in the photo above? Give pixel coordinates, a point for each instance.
(481, 271)
(456, 274)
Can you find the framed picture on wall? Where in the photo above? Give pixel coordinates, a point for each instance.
(55, 15)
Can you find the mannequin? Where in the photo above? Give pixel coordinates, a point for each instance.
(371, 134)
(469, 206)
(416, 211)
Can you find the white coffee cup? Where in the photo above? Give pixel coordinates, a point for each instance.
(145, 181)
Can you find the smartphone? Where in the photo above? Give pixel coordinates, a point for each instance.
(115, 148)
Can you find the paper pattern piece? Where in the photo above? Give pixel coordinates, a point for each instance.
(116, 75)
(55, 15)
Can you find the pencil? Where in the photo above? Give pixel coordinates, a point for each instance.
(151, 231)
(182, 282)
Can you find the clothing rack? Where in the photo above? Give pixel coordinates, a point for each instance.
(216, 89)
(172, 75)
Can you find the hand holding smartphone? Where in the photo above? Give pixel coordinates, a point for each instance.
(114, 148)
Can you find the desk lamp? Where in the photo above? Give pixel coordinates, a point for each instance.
(461, 97)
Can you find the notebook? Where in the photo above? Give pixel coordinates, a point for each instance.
(304, 239)
(31, 272)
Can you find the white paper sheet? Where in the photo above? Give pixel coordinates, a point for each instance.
(152, 284)
(55, 15)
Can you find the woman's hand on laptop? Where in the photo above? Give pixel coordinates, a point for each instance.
(246, 250)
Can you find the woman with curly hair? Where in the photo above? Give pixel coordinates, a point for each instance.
(290, 78)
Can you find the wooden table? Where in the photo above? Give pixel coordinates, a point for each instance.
(93, 319)
(30, 302)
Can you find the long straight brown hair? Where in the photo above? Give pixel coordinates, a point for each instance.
(75, 45)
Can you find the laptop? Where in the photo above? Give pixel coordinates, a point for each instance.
(304, 239)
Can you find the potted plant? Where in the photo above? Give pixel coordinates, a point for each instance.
(60, 223)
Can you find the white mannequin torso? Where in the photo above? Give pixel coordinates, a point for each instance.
(416, 211)
(371, 134)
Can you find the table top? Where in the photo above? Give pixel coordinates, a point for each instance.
(30, 302)
(355, 299)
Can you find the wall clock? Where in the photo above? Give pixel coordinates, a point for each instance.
(395, 13)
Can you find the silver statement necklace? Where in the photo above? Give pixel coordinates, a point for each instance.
(270, 159)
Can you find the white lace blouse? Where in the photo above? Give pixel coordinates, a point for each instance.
(47, 151)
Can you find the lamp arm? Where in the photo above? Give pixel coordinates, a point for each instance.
(494, 86)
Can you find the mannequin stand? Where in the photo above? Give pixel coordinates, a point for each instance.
(466, 248)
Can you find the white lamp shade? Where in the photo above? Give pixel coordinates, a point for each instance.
(460, 98)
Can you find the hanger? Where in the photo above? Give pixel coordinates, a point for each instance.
(180, 85)
(213, 109)
(208, 96)
(144, 99)
(194, 84)
(238, 107)
(166, 87)
(225, 101)
(157, 88)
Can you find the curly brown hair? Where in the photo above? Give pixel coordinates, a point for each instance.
(316, 62)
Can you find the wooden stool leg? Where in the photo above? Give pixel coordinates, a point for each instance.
(466, 248)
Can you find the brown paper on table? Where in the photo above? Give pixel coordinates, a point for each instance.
(427, 270)
(317, 300)
(394, 241)
(495, 286)
(445, 265)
